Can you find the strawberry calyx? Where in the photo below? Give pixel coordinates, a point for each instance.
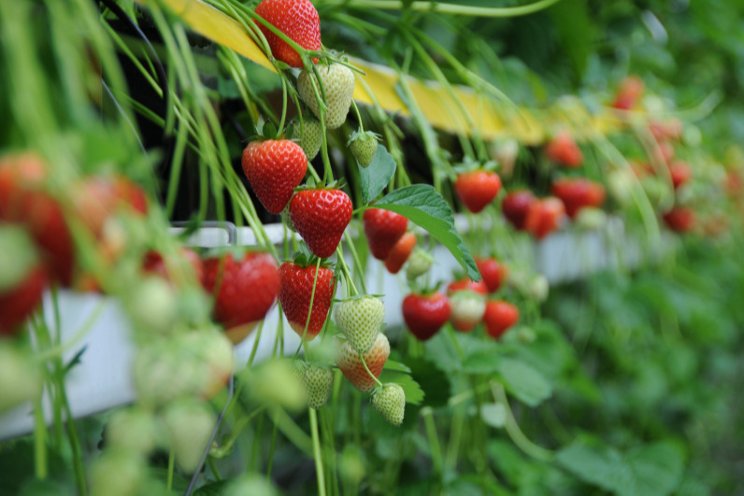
(304, 258)
(357, 297)
(362, 135)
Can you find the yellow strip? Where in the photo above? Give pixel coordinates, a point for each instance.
(491, 119)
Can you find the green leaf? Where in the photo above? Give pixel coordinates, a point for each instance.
(524, 382)
(423, 205)
(414, 393)
(493, 414)
(377, 175)
(481, 362)
(392, 365)
(654, 469)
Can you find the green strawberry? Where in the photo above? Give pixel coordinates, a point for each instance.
(336, 85)
(117, 473)
(189, 424)
(360, 319)
(309, 134)
(390, 401)
(418, 264)
(363, 146)
(133, 430)
(21, 377)
(318, 382)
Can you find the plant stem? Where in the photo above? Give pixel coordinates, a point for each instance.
(450, 8)
(515, 433)
(171, 469)
(317, 454)
(431, 434)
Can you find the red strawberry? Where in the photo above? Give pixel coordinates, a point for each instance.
(244, 290)
(515, 206)
(155, 264)
(425, 314)
(296, 291)
(24, 200)
(478, 188)
(400, 253)
(578, 193)
(298, 20)
(628, 93)
(563, 150)
(466, 284)
(544, 216)
(98, 198)
(383, 229)
(665, 131)
(679, 219)
(353, 369)
(680, 173)
(274, 168)
(493, 273)
(499, 317)
(320, 216)
(22, 277)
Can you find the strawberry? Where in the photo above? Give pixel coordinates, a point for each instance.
(320, 216)
(351, 365)
(493, 273)
(666, 131)
(295, 293)
(154, 263)
(628, 93)
(97, 198)
(476, 189)
(467, 310)
(515, 206)
(318, 382)
(363, 146)
(680, 173)
(578, 193)
(189, 424)
(563, 150)
(390, 402)
(499, 317)
(22, 278)
(244, 290)
(679, 219)
(309, 134)
(544, 216)
(21, 378)
(298, 20)
(425, 314)
(336, 86)
(383, 229)
(591, 219)
(419, 264)
(400, 253)
(663, 152)
(360, 319)
(466, 284)
(274, 168)
(24, 200)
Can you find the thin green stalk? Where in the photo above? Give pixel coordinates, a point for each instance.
(431, 434)
(171, 469)
(317, 454)
(451, 8)
(515, 433)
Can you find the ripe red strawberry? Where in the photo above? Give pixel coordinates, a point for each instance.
(499, 317)
(544, 216)
(274, 168)
(515, 206)
(22, 278)
(578, 193)
(351, 366)
(295, 292)
(493, 272)
(298, 20)
(628, 93)
(400, 253)
(244, 290)
(320, 216)
(679, 219)
(467, 310)
(24, 200)
(563, 150)
(680, 173)
(425, 314)
(476, 189)
(466, 284)
(383, 229)
(155, 264)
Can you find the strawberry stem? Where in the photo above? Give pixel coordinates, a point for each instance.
(317, 454)
(515, 433)
(283, 118)
(359, 115)
(364, 363)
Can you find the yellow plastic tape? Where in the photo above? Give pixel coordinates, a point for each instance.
(462, 111)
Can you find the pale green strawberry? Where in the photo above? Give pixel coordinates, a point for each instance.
(591, 219)
(418, 264)
(117, 473)
(390, 401)
(363, 146)
(21, 376)
(309, 134)
(360, 319)
(318, 382)
(468, 308)
(337, 83)
(189, 424)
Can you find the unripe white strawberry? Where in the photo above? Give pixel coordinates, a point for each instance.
(360, 319)
(352, 367)
(250, 484)
(309, 135)
(337, 83)
(390, 401)
(189, 424)
(468, 308)
(418, 264)
(133, 430)
(318, 382)
(363, 146)
(276, 382)
(20, 377)
(152, 305)
(117, 473)
(591, 219)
